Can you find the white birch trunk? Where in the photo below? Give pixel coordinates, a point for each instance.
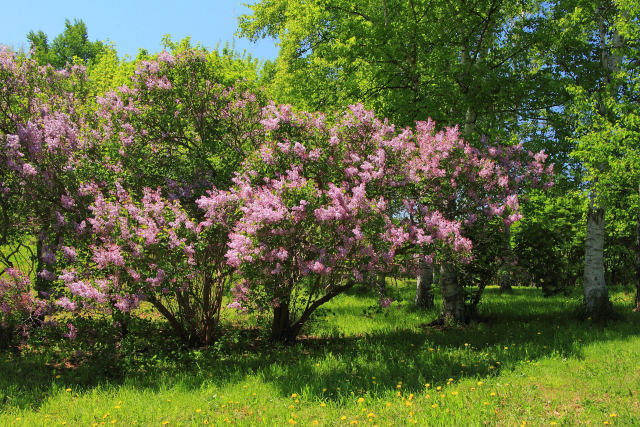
(424, 286)
(452, 294)
(596, 296)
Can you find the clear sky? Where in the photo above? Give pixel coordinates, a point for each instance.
(133, 24)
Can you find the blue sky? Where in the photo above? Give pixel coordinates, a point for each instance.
(133, 24)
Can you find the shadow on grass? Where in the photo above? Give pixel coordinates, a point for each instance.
(518, 328)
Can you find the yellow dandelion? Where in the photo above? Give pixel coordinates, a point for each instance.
(427, 385)
(493, 393)
(360, 399)
(371, 415)
(399, 386)
(344, 417)
(68, 390)
(292, 421)
(314, 423)
(408, 403)
(485, 403)
(198, 410)
(117, 407)
(438, 388)
(479, 382)
(324, 389)
(354, 422)
(57, 376)
(506, 348)
(323, 404)
(293, 396)
(388, 404)
(454, 393)
(613, 415)
(434, 406)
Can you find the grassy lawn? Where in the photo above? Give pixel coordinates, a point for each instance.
(530, 361)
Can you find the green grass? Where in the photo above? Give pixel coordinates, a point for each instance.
(529, 360)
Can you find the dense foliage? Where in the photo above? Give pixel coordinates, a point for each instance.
(173, 181)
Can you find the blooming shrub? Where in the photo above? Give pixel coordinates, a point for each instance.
(173, 132)
(41, 152)
(318, 207)
(150, 250)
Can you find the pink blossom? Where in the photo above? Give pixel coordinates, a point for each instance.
(69, 253)
(71, 333)
(29, 170)
(66, 304)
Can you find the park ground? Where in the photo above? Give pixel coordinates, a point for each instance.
(528, 360)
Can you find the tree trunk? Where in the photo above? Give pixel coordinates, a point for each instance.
(506, 279)
(40, 285)
(596, 296)
(281, 330)
(381, 285)
(637, 249)
(452, 295)
(424, 286)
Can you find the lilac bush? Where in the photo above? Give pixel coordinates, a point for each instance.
(318, 207)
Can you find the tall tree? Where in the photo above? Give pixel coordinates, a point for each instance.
(72, 43)
(459, 63)
(603, 108)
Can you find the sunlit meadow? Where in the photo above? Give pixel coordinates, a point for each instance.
(529, 362)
